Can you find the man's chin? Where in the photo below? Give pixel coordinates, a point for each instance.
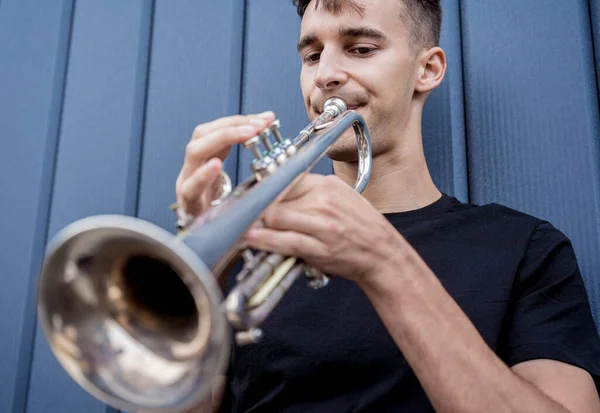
(346, 158)
(344, 149)
(345, 153)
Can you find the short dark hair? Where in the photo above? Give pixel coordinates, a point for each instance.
(425, 17)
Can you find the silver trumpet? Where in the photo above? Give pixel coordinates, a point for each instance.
(136, 315)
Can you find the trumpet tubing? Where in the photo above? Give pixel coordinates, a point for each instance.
(135, 314)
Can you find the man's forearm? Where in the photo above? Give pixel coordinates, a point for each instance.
(457, 369)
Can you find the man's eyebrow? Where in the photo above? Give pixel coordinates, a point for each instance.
(306, 41)
(344, 31)
(362, 31)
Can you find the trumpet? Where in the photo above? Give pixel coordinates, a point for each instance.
(135, 314)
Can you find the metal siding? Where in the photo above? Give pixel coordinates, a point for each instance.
(33, 52)
(516, 121)
(444, 138)
(272, 71)
(195, 74)
(98, 149)
(532, 115)
(591, 30)
(595, 20)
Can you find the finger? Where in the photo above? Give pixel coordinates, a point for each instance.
(302, 186)
(216, 138)
(289, 219)
(215, 144)
(236, 120)
(287, 243)
(196, 191)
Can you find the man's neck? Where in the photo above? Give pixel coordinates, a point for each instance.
(399, 181)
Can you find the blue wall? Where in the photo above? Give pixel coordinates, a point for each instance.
(98, 100)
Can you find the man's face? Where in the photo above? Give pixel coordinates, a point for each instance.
(367, 61)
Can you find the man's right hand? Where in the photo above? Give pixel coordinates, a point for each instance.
(209, 146)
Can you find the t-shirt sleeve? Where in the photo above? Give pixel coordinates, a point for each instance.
(551, 315)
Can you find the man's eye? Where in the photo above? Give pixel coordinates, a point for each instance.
(363, 50)
(312, 57)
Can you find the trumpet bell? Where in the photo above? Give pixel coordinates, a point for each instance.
(109, 287)
(135, 315)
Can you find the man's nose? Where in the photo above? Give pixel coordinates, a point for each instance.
(330, 74)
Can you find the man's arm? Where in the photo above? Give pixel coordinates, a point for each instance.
(456, 368)
(571, 386)
(333, 228)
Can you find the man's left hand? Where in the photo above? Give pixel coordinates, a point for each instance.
(333, 228)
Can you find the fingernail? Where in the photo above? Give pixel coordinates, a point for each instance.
(258, 122)
(267, 114)
(214, 162)
(246, 130)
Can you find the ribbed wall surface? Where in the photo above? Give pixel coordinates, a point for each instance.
(532, 114)
(99, 99)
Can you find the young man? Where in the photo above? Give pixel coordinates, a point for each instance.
(434, 305)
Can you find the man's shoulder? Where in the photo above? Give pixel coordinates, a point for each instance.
(495, 209)
(505, 217)
(508, 227)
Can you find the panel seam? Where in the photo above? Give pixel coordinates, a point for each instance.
(28, 333)
(140, 143)
(595, 136)
(142, 132)
(238, 155)
(464, 100)
(594, 44)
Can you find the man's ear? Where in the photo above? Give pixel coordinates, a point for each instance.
(432, 68)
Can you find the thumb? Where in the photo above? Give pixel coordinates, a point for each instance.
(301, 186)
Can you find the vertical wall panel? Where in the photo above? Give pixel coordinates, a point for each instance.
(594, 33)
(33, 51)
(195, 77)
(98, 153)
(272, 71)
(95, 116)
(595, 19)
(443, 115)
(532, 114)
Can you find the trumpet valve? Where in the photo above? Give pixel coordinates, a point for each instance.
(316, 279)
(278, 154)
(264, 137)
(252, 336)
(281, 158)
(264, 166)
(248, 258)
(275, 130)
(252, 144)
(291, 150)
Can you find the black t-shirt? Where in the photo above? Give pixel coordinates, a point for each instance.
(516, 277)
